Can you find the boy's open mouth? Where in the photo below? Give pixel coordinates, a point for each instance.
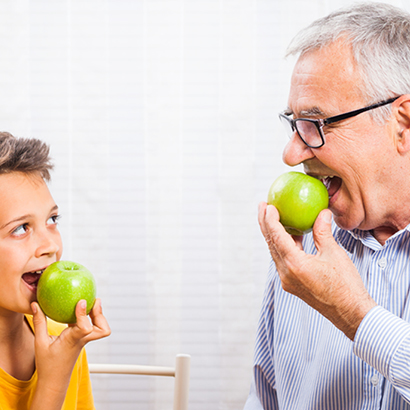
(32, 278)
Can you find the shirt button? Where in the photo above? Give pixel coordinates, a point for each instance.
(375, 380)
(382, 262)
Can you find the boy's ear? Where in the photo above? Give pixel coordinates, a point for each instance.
(402, 115)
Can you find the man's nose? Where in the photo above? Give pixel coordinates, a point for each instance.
(296, 151)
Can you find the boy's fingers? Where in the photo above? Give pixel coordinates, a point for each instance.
(40, 323)
(81, 313)
(99, 321)
(82, 327)
(96, 311)
(86, 330)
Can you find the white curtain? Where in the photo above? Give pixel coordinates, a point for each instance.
(162, 120)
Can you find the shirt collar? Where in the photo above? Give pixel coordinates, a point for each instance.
(348, 238)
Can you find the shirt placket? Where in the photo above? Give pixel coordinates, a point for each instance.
(373, 381)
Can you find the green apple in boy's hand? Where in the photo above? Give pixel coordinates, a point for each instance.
(299, 198)
(61, 286)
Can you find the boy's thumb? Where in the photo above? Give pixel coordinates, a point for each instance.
(39, 322)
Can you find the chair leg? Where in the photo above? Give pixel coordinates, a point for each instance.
(181, 389)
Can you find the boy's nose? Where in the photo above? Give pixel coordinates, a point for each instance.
(49, 244)
(296, 151)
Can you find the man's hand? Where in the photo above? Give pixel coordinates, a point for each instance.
(328, 281)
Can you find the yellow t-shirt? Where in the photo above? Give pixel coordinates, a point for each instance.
(17, 394)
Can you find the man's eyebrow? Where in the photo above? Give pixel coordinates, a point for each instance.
(312, 112)
(24, 218)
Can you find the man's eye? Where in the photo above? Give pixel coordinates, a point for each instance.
(20, 230)
(53, 220)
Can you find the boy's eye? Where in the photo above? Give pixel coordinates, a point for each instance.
(53, 220)
(20, 230)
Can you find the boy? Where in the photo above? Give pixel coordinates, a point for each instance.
(42, 363)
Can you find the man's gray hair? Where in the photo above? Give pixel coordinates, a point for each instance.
(380, 38)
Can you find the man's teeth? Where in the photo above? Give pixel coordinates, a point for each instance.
(326, 180)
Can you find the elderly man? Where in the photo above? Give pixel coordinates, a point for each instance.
(334, 332)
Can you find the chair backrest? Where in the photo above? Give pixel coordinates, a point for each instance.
(180, 372)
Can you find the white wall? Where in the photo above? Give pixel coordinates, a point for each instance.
(162, 118)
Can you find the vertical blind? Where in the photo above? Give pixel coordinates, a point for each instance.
(162, 121)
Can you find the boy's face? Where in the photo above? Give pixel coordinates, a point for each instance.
(29, 238)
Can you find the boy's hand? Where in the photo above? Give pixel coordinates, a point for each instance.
(56, 355)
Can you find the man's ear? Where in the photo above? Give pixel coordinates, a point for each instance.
(401, 109)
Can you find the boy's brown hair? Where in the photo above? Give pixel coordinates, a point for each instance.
(26, 155)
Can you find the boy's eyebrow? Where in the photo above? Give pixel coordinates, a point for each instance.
(20, 218)
(24, 217)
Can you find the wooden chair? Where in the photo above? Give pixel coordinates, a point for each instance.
(180, 372)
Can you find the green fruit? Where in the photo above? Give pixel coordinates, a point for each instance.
(61, 286)
(299, 198)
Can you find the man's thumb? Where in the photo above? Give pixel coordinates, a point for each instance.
(322, 229)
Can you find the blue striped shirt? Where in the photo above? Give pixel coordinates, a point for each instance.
(302, 361)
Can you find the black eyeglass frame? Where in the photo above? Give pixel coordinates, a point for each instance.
(320, 123)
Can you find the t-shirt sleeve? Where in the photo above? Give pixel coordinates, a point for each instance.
(85, 400)
(79, 393)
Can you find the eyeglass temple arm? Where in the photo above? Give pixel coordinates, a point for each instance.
(357, 112)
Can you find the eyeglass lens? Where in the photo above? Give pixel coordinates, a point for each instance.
(307, 131)
(287, 124)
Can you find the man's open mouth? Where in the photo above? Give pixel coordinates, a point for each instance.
(32, 278)
(332, 184)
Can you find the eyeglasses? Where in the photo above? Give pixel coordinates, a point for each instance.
(311, 132)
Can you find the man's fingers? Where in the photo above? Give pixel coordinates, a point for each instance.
(279, 240)
(268, 215)
(298, 241)
(261, 217)
(282, 246)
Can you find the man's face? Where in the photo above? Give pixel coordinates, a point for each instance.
(29, 238)
(357, 152)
